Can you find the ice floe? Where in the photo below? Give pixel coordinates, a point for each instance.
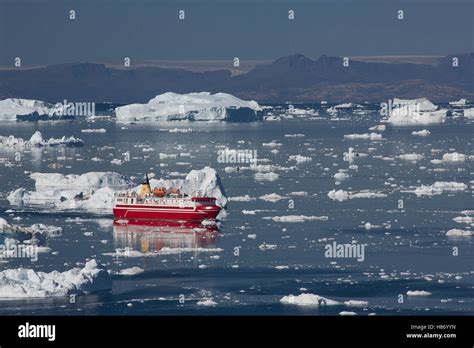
(365, 136)
(131, 271)
(341, 195)
(202, 106)
(28, 283)
(422, 133)
(418, 293)
(38, 140)
(298, 218)
(459, 233)
(308, 300)
(438, 188)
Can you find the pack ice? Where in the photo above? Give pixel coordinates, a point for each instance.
(28, 283)
(202, 106)
(12, 109)
(415, 111)
(93, 192)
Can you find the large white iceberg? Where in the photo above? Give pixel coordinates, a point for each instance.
(38, 140)
(202, 106)
(12, 109)
(415, 111)
(93, 192)
(28, 283)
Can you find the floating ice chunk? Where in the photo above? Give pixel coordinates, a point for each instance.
(272, 143)
(459, 233)
(265, 246)
(418, 293)
(454, 157)
(166, 156)
(300, 159)
(298, 218)
(346, 313)
(341, 176)
(378, 128)
(299, 193)
(202, 106)
(438, 188)
(298, 135)
(356, 303)
(422, 104)
(367, 136)
(28, 283)
(469, 113)
(308, 300)
(266, 176)
(131, 271)
(207, 302)
(245, 198)
(460, 102)
(341, 195)
(272, 197)
(458, 219)
(38, 141)
(411, 157)
(414, 118)
(181, 130)
(422, 133)
(97, 130)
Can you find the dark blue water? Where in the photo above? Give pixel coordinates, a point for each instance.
(407, 251)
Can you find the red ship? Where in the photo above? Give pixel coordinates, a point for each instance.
(164, 204)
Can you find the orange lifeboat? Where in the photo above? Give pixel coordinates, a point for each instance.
(159, 191)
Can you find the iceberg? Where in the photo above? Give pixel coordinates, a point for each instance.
(38, 141)
(202, 106)
(28, 283)
(415, 111)
(93, 192)
(469, 113)
(460, 102)
(13, 109)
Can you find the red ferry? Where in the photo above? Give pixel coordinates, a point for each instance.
(164, 204)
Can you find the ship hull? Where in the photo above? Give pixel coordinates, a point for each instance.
(147, 212)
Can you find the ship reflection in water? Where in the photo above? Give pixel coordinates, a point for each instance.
(155, 235)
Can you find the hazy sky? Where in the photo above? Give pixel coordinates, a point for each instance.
(40, 31)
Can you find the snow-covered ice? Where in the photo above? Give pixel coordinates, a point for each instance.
(308, 300)
(28, 283)
(202, 106)
(38, 140)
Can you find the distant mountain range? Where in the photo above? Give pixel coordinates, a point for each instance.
(294, 78)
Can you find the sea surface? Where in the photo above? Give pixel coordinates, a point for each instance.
(405, 245)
